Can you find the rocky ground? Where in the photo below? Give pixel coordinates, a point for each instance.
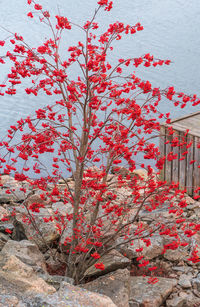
(25, 278)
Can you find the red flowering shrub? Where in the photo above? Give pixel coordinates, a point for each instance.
(100, 121)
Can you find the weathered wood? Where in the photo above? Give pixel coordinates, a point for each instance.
(186, 116)
(175, 163)
(168, 164)
(197, 163)
(181, 169)
(194, 131)
(190, 167)
(182, 162)
(162, 149)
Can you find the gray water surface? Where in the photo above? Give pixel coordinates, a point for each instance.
(171, 31)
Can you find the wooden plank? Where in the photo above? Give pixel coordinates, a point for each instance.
(178, 127)
(185, 116)
(168, 164)
(190, 167)
(189, 121)
(162, 148)
(197, 163)
(175, 164)
(182, 163)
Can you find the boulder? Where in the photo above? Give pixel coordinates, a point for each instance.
(11, 190)
(177, 301)
(144, 294)
(56, 280)
(185, 281)
(69, 295)
(48, 231)
(8, 301)
(112, 261)
(149, 252)
(140, 173)
(176, 255)
(115, 285)
(196, 282)
(21, 276)
(3, 239)
(26, 252)
(3, 212)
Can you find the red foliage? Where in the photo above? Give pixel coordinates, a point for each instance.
(104, 117)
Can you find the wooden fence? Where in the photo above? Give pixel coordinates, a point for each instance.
(181, 169)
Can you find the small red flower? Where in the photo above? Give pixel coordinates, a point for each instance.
(30, 15)
(95, 255)
(2, 43)
(8, 230)
(38, 7)
(100, 266)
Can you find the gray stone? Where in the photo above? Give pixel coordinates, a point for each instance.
(8, 300)
(196, 281)
(149, 252)
(177, 301)
(192, 301)
(115, 285)
(3, 212)
(22, 276)
(4, 226)
(3, 239)
(69, 295)
(25, 251)
(177, 254)
(185, 281)
(62, 208)
(56, 280)
(112, 261)
(47, 231)
(150, 295)
(17, 195)
(182, 269)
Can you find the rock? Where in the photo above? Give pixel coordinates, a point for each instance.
(140, 174)
(196, 282)
(8, 181)
(161, 213)
(150, 295)
(54, 264)
(3, 239)
(115, 285)
(192, 301)
(120, 171)
(112, 261)
(177, 301)
(149, 252)
(69, 295)
(67, 233)
(56, 280)
(48, 232)
(181, 269)
(37, 199)
(16, 196)
(26, 252)
(62, 208)
(6, 226)
(185, 281)
(176, 255)
(17, 273)
(8, 301)
(3, 212)
(189, 200)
